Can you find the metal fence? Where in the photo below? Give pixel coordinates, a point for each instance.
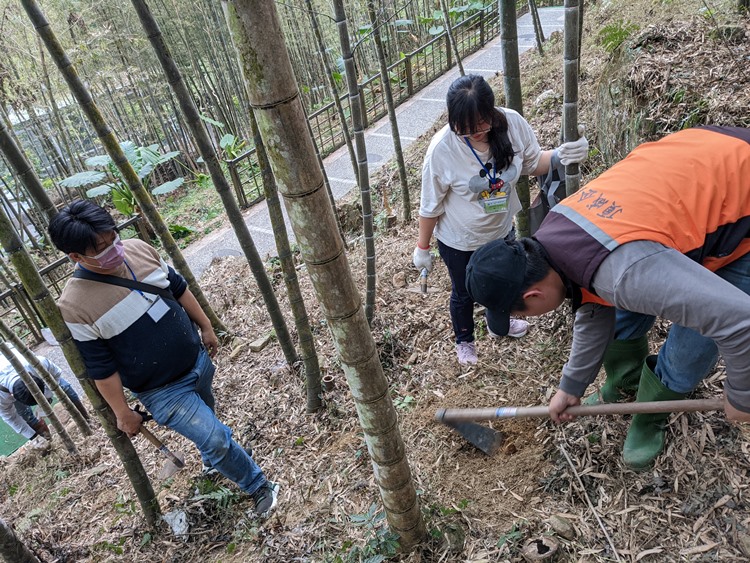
(245, 174)
(407, 76)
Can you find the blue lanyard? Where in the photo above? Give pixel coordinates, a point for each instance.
(490, 175)
(135, 279)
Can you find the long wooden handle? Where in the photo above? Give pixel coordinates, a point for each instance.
(161, 447)
(693, 405)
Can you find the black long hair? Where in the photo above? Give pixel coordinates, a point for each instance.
(470, 101)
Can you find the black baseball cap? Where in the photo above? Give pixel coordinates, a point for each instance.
(22, 394)
(494, 278)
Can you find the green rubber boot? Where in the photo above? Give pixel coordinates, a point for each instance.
(623, 362)
(645, 439)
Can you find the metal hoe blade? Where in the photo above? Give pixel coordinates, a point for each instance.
(485, 439)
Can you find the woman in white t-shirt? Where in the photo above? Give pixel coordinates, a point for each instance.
(469, 194)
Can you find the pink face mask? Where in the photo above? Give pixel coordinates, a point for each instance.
(112, 256)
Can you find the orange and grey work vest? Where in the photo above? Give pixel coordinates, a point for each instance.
(689, 191)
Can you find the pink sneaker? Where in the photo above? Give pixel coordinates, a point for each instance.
(467, 353)
(517, 329)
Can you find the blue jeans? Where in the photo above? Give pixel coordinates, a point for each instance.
(27, 412)
(186, 406)
(686, 357)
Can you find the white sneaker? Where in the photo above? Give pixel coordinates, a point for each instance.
(467, 353)
(517, 329)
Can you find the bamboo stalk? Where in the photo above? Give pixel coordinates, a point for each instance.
(276, 102)
(392, 118)
(110, 143)
(25, 171)
(570, 91)
(451, 38)
(514, 96)
(174, 78)
(12, 548)
(47, 377)
(364, 173)
(51, 314)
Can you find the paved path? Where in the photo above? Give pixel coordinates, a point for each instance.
(415, 117)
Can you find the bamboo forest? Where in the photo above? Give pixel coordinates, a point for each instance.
(363, 281)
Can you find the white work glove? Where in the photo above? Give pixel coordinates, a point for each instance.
(574, 152)
(39, 443)
(422, 259)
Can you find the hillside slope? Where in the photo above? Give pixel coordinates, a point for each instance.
(676, 66)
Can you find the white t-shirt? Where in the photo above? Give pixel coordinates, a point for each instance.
(449, 166)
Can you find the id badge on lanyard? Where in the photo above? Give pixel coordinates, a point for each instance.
(158, 309)
(495, 200)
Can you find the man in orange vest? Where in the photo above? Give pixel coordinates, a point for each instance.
(665, 232)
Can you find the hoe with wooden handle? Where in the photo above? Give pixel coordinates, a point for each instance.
(489, 440)
(175, 461)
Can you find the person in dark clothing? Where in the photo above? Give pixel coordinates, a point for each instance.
(147, 343)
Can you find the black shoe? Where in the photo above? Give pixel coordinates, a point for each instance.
(265, 498)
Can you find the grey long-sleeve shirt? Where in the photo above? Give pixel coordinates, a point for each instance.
(648, 277)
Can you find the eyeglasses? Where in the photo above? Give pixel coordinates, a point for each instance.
(103, 252)
(480, 132)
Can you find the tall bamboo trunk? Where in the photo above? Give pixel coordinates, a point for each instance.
(17, 212)
(174, 77)
(276, 102)
(25, 172)
(232, 74)
(581, 4)
(363, 175)
(538, 31)
(108, 140)
(514, 96)
(570, 92)
(332, 86)
(47, 308)
(509, 46)
(296, 301)
(12, 548)
(7, 280)
(327, 184)
(52, 150)
(388, 93)
(451, 38)
(62, 131)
